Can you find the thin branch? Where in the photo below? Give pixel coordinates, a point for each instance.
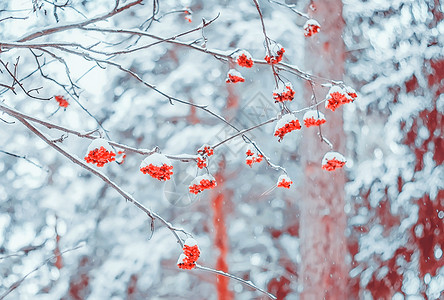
(292, 7)
(245, 282)
(125, 195)
(22, 157)
(88, 135)
(20, 281)
(56, 29)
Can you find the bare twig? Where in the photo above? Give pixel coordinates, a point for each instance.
(21, 85)
(61, 28)
(20, 281)
(22, 157)
(245, 282)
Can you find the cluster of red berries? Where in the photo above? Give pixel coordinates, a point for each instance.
(314, 118)
(188, 15)
(202, 162)
(201, 183)
(244, 59)
(311, 27)
(62, 101)
(333, 160)
(275, 57)
(286, 124)
(234, 76)
(252, 156)
(157, 166)
(337, 96)
(187, 259)
(283, 93)
(99, 153)
(284, 181)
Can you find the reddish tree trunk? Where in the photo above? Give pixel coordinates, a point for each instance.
(324, 271)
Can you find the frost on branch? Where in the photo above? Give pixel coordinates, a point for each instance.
(234, 76)
(313, 118)
(253, 156)
(157, 166)
(284, 181)
(277, 52)
(286, 124)
(191, 252)
(62, 101)
(284, 92)
(333, 160)
(201, 183)
(311, 27)
(244, 59)
(337, 96)
(100, 152)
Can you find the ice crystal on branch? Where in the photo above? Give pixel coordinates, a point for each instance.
(253, 156)
(201, 183)
(234, 76)
(313, 118)
(277, 52)
(244, 59)
(157, 166)
(311, 27)
(286, 124)
(62, 101)
(284, 92)
(284, 181)
(333, 160)
(99, 153)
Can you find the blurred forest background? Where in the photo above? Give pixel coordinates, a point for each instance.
(372, 230)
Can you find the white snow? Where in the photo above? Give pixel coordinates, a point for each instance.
(156, 159)
(317, 115)
(333, 155)
(284, 177)
(287, 118)
(97, 143)
(311, 22)
(190, 242)
(239, 53)
(198, 179)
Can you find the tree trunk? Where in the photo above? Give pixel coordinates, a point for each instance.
(324, 271)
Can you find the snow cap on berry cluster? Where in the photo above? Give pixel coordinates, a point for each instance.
(234, 76)
(277, 52)
(284, 92)
(201, 183)
(244, 59)
(314, 118)
(157, 166)
(155, 159)
(97, 143)
(311, 27)
(337, 96)
(284, 181)
(333, 160)
(286, 124)
(100, 152)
